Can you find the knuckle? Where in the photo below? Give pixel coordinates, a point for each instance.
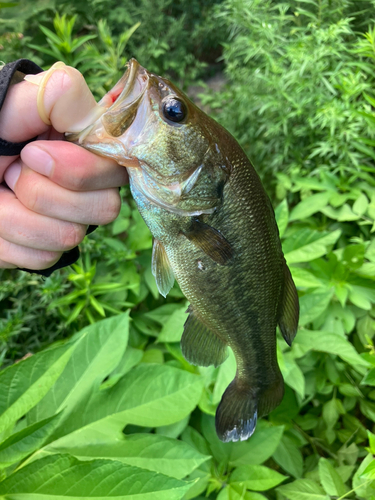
(112, 206)
(47, 259)
(71, 235)
(33, 195)
(78, 181)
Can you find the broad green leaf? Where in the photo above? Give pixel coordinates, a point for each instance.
(173, 430)
(332, 343)
(330, 479)
(282, 215)
(361, 204)
(174, 326)
(364, 483)
(256, 477)
(259, 448)
(303, 489)
(370, 470)
(371, 439)
(148, 451)
(25, 383)
(149, 395)
(293, 375)
(362, 297)
(98, 351)
(226, 374)
(306, 245)
(304, 278)
(23, 443)
(310, 205)
(289, 457)
(163, 313)
(369, 378)
(313, 304)
(63, 476)
(233, 492)
(342, 214)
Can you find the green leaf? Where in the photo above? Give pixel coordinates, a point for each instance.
(62, 476)
(163, 313)
(310, 205)
(98, 351)
(306, 245)
(330, 479)
(148, 451)
(149, 395)
(259, 448)
(226, 374)
(232, 492)
(313, 304)
(282, 215)
(303, 489)
(293, 375)
(256, 477)
(342, 214)
(174, 326)
(362, 483)
(289, 457)
(304, 278)
(24, 384)
(23, 443)
(369, 378)
(361, 204)
(332, 343)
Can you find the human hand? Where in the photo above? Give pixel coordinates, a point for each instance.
(56, 188)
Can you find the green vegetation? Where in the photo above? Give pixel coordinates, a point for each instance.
(110, 407)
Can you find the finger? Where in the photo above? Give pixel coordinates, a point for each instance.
(26, 228)
(13, 255)
(67, 99)
(41, 195)
(73, 167)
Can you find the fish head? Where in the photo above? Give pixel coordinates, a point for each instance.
(170, 146)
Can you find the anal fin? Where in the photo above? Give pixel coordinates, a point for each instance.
(289, 312)
(199, 345)
(161, 269)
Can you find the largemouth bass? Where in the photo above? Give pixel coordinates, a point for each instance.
(214, 232)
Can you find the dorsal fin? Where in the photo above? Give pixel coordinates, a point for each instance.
(289, 312)
(210, 240)
(161, 268)
(199, 345)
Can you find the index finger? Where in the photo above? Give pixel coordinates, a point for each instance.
(66, 101)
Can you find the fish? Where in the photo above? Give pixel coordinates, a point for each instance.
(214, 231)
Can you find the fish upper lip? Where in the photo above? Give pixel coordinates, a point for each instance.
(121, 100)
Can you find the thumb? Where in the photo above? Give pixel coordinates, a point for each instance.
(59, 96)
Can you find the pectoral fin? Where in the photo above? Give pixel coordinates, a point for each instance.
(161, 269)
(199, 345)
(289, 313)
(210, 240)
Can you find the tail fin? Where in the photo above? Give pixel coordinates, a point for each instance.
(240, 406)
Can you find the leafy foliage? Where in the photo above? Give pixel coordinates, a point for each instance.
(110, 406)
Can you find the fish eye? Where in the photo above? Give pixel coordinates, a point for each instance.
(174, 110)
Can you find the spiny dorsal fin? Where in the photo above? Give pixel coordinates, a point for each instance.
(289, 312)
(161, 268)
(210, 240)
(199, 345)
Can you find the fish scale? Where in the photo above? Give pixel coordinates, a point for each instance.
(214, 232)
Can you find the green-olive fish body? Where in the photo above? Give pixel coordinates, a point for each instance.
(214, 232)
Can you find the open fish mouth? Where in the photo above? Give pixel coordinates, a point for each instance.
(115, 114)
